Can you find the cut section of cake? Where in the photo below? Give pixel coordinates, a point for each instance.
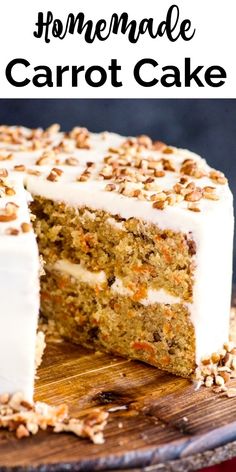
(137, 240)
(136, 237)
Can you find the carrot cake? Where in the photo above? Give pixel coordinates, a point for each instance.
(136, 238)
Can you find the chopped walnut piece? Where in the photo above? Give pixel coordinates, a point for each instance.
(168, 150)
(9, 213)
(194, 196)
(215, 357)
(19, 168)
(53, 129)
(90, 164)
(209, 189)
(48, 157)
(3, 173)
(26, 227)
(159, 173)
(160, 205)
(194, 208)
(191, 168)
(158, 146)
(9, 157)
(22, 432)
(34, 172)
(83, 177)
(10, 191)
(209, 381)
(12, 231)
(57, 171)
(54, 174)
(4, 398)
(210, 196)
(168, 165)
(110, 187)
(71, 161)
(53, 177)
(217, 177)
(81, 137)
(145, 141)
(225, 376)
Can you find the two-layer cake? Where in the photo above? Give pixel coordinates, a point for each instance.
(137, 242)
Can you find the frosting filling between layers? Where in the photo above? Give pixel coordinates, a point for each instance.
(79, 272)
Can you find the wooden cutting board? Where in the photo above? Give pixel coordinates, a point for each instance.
(158, 422)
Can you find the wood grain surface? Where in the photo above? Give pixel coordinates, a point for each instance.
(157, 421)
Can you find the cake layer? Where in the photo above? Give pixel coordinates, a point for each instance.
(139, 253)
(159, 334)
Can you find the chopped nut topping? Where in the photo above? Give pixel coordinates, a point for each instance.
(53, 177)
(210, 196)
(84, 176)
(47, 158)
(218, 177)
(34, 172)
(158, 146)
(19, 168)
(168, 150)
(81, 137)
(159, 173)
(54, 174)
(168, 165)
(10, 192)
(218, 369)
(9, 213)
(53, 129)
(194, 196)
(57, 171)
(194, 208)
(12, 231)
(160, 205)
(190, 167)
(90, 164)
(9, 157)
(72, 161)
(26, 227)
(110, 187)
(18, 415)
(3, 173)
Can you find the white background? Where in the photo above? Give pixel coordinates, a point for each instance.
(213, 44)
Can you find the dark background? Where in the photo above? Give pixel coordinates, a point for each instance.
(207, 127)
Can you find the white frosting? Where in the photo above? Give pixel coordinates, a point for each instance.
(159, 296)
(19, 295)
(153, 295)
(212, 228)
(79, 272)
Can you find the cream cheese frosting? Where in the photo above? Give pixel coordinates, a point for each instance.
(19, 293)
